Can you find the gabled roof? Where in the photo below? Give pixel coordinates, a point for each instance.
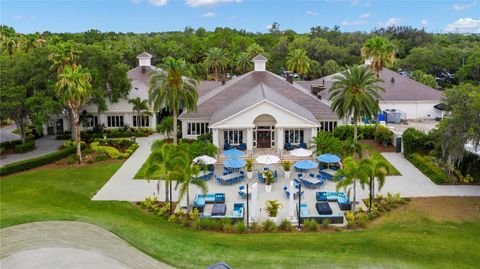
(231, 94)
(144, 55)
(397, 88)
(140, 81)
(256, 95)
(259, 57)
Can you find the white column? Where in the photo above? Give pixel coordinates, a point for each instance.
(314, 134)
(215, 138)
(280, 138)
(250, 139)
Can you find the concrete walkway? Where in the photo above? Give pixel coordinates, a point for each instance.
(7, 135)
(44, 145)
(66, 245)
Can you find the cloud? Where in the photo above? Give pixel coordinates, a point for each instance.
(21, 18)
(365, 15)
(209, 14)
(358, 22)
(359, 2)
(158, 3)
(424, 22)
(202, 3)
(460, 7)
(312, 13)
(464, 25)
(390, 22)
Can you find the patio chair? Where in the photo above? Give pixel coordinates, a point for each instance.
(266, 168)
(219, 180)
(300, 175)
(242, 146)
(288, 146)
(312, 175)
(303, 145)
(297, 181)
(227, 146)
(275, 174)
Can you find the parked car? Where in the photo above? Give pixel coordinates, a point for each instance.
(404, 73)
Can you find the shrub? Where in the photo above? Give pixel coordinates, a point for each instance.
(210, 224)
(35, 162)
(25, 147)
(310, 225)
(240, 227)
(384, 135)
(72, 159)
(101, 157)
(205, 138)
(362, 220)
(426, 164)
(364, 131)
(227, 228)
(110, 151)
(326, 223)
(285, 225)
(269, 226)
(257, 227)
(10, 144)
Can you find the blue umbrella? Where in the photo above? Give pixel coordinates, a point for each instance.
(233, 153)
(328, 158)
(234, 163)
(305, 165)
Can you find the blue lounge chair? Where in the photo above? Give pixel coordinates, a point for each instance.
(275, 174)
(303, 145)
(288, 146)
(311, 175)
(242, 146)
(226, 146)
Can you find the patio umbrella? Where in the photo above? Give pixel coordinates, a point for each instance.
(233, 153)
(328, 158)
(305, 165)
(301, 152)
(267, 159)
(234, 163)
(205, 160)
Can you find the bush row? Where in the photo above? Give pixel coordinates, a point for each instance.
(36, 162)
(10, 144)
(427, 166)
(25, 147)
(364, 131)
(88, 137)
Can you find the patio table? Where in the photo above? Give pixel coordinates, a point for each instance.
(312, 180)
(329, 171)
(230, 176)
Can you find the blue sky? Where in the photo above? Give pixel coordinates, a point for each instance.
(28, 16)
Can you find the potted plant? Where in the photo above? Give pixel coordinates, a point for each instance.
(272, 207)
(286, 167)
(249, 167)
(269, 179)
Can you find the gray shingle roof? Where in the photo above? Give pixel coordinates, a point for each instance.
(256, 95)
(144, 55)
(230, 94)
(259, 57)
(397, 89)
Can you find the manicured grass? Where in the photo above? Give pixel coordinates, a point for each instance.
(400, 239)
(376, 156)
(141, 172)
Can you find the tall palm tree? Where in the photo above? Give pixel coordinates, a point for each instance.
(189, 172)
(298, 61)
(216, 61)
(354, 93)
(351, 147)
(173, 89)
(243, 63)
(64, 54)
(376, 170)
(381, 52)
(352, 173)
(141, 108)
(74, 88)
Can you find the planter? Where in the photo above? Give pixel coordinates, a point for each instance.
(249, 175)
(268, 188)
(287, 174)
(274, 219)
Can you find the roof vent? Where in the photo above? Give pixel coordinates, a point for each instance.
(316, 89)
(392, 80)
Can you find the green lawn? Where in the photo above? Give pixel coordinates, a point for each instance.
(377, 156)
(402, 239)
(141, 172)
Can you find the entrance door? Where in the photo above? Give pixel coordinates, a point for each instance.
(60, 126)
(264, 139)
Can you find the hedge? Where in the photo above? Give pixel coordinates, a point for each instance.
(364, 131)
(25, 147)
(36, 162)
(427, 166)
(91, 136)
(10, 144)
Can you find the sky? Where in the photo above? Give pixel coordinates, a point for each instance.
(139, 16)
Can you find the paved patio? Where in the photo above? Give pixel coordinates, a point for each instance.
(412, 183)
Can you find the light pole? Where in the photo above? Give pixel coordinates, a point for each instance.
(248, 205)
(299, 202)
(171, 205)
(247, 208)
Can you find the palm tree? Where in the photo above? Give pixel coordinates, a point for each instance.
(351, 147)
(376, 170)
(63, 55)
(381, 52)
(166, 126)
(189, 172)
(352, 173)
(73, 86)
(255, 49)
(243, 63)
(298, 61)
(173, 89)
(216, 61)
(141, 108)
(354, 93)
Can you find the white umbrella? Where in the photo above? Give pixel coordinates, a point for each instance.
(267, 159)
(301, 152)
(205, 160)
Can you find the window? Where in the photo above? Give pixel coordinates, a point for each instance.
(114, 121)
(92, 121)
(197, 128)
(327, 126)
(142, 121)
(233, 137)
(294, 136)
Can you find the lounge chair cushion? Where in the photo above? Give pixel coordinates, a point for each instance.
(219, 210)
(323, 208)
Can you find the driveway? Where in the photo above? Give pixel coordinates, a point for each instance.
(7, 135)
(67, 245)
(44, 145)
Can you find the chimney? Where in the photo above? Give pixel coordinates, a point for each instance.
(260, 62)
(290, 79)
(223, 81)
(144, 60)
